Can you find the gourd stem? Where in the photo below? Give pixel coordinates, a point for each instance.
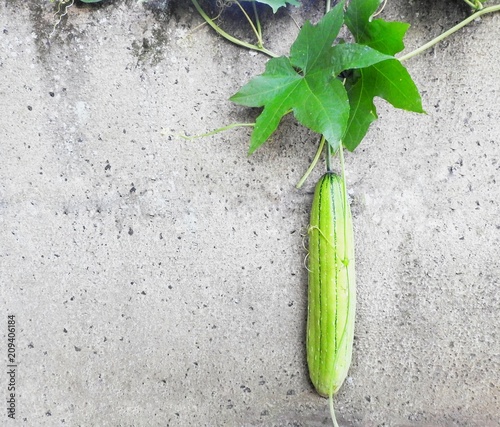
(460, 25)
(328, 6)
(328, 157)
(332, 411)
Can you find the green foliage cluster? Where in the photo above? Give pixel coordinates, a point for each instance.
(327, 83)
(330, 87)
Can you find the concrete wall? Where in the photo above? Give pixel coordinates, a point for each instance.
(161, 282)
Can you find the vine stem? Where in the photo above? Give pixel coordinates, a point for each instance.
(460, 25)
(218, 130)
(475, 4)
(228, 36)
(313, 163)
(329, 169)
(344, 185)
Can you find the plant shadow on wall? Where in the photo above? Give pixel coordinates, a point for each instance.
(329, 85)
(149, 47)
(161, 8)
(63, 7)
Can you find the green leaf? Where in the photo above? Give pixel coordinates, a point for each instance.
(386, 37)
(324, 108)
(312, 48)
(392, 82)
(349, 56)
(276, 4)
(362, 113)
(278, 78)
(273, 89)
(388, 80)
(317, 100)
(303, 83)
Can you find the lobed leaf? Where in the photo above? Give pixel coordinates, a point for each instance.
(323, 106)
(392, 82)
(361, 114)
(306, 82)
(278, 78)
(312, 48)
(303, 84)
(386, 37)
(350, 56)
(388, 80)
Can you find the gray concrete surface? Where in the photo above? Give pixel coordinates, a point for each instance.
(161, 282)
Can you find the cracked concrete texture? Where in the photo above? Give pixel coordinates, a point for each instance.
(161, 282)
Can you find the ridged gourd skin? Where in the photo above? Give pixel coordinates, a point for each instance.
(331, 291)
